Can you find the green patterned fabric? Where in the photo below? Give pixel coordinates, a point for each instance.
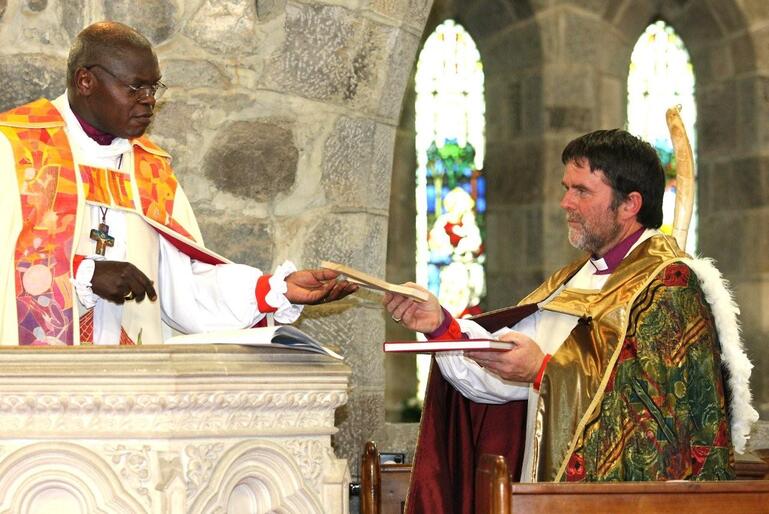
(663, 415)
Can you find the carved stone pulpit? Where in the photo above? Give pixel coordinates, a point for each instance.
(169, 429)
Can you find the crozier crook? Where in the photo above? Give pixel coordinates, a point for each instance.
(685, 186)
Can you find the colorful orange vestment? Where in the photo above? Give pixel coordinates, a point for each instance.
(48, 177)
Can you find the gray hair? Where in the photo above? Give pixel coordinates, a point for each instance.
(100, 41)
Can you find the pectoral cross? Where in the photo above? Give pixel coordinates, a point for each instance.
(102, 238)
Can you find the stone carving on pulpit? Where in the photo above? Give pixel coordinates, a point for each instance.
(169, 430)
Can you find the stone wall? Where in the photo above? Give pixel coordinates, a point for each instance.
(281, 117)
(306, 97)
(556, 69)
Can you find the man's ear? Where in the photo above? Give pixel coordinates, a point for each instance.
(631, 205)
(84, 82)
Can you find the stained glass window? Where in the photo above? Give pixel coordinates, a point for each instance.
(661, 75)
(451, 189)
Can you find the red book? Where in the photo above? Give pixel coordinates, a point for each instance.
(448, 345)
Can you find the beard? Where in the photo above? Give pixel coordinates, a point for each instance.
(594, 235)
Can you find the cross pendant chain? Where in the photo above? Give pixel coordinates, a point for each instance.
(101, 235)
(102, 238)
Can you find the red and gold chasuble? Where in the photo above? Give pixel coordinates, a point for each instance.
(46, 175)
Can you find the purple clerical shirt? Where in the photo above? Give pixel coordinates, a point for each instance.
(97, 135)
(609, 262)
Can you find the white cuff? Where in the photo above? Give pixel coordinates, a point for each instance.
(82, 281)
(276, 297)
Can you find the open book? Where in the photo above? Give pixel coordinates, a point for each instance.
(448, 345)
(366, 280)
(284, 336)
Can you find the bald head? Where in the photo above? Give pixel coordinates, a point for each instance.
(103, 42)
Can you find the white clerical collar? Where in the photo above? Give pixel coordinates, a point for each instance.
(77, 135)
(599, 264)
(618, 254)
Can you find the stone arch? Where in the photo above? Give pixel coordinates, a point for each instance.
(511, 49)
(71, 478)
(260, 473)
(567, 63)
(733, 109)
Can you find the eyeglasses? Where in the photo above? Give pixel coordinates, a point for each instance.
(155, 90)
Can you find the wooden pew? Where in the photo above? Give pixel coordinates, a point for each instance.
(492, 485)
(496, 494)
(751, 467)
(383, 486)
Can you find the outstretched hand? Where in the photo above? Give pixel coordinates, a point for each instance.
(520, 364)
(120, 282)
(315, 286)
(422, 317)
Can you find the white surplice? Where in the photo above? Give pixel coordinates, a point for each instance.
(193, 296)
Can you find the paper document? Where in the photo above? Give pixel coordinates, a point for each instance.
(371, 282)
(284, 336)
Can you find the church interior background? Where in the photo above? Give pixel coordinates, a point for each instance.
(305, 130)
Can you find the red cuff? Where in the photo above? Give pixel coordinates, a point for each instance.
(448, 330)
(541, 373)
(262, 288)
(76, 260)
(454, 332)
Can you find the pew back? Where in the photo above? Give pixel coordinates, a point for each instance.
(497, 494)
(383, 486)
(657, 497)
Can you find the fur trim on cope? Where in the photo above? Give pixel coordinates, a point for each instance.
(742, 415)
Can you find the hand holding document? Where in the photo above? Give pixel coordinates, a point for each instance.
(410, 305)
(365, 280)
